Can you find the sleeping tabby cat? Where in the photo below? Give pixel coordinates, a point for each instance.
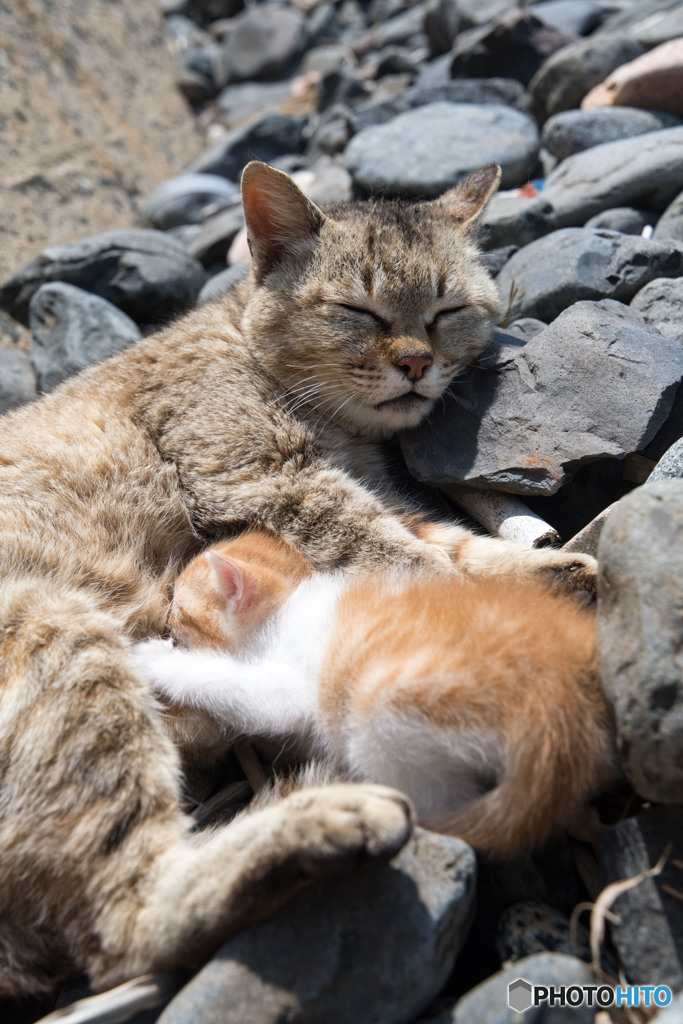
(480, 700)
(262, 408)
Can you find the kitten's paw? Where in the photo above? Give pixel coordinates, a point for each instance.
(343, 824)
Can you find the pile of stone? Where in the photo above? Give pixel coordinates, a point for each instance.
(576, 401)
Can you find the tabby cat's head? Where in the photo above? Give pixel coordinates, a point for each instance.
(366, 312)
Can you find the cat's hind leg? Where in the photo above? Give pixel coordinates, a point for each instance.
(100, 869)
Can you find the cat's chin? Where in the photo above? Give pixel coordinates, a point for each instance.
(391, 416)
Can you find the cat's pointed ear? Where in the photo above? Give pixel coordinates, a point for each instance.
(230, 579)
(279, 217)
(466, 201)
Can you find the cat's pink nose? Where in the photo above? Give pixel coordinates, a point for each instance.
(414, 366)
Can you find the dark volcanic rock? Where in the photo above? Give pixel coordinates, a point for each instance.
(640, 635)
(211, 243)
(487, 1003)
(266, 139)
(533, 927)
(515, 46)
(553, 272)
(265, 42)
(187, 199)
(425, 151)
(145, 273)
(645, 171)
(670, 224)
(626, 219)
(221, 284)
(531, 413)
(246, 101)
(376, 946)
(462, 90)
(17, 379)
(72, 329)
(566, 77)
(660, 303)
(648, 932)
(514, 220)
(572, 131)
(576, 16)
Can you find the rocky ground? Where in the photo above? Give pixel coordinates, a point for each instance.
(576, 408)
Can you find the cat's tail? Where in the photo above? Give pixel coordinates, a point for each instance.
(548, 777)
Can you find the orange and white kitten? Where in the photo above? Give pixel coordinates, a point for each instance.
(480, 700)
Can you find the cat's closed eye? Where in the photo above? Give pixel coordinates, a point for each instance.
(367, 314)
(444, 314)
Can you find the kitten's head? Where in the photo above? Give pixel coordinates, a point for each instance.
(366, 312)
(229, 591)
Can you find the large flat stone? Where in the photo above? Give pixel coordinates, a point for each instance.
(553, 272)
(595, 383)
(145, 273)
(423, 152)
(376, 946)
(642, 171)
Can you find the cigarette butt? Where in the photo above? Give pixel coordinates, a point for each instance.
(505, 516)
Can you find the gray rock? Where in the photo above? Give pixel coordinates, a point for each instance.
(645, 171)
(324, 59)
(265, 42)
(487, 1003)
(402, 28)
(514, 220)
(566, 77)
(425, 151)
(463, 90)
(566, 266)
(531, 413)
(72, 329)
(515, 46)
(660, 303)
(651, 22)
(210, 245)
(244, 101)
(213, 9)
(648, 933)
(221, 284)
(572, 131)
(331, 184)
(670, 224)
(435, 72)
(475, 13)
(145, 273)
(266, 139)
(640, 644)
(670, 466)
(442, 24)
(526, 327)
(626, 219)
(326, 957)
(579, 17)
(533, 927)
(331, 131)
(187, 199)
(17, 379)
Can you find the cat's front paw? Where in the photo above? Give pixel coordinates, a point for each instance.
(344, 824)
(574, 573)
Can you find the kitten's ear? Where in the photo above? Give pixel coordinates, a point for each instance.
(278, 215)
(466, 201)
(231, 581)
